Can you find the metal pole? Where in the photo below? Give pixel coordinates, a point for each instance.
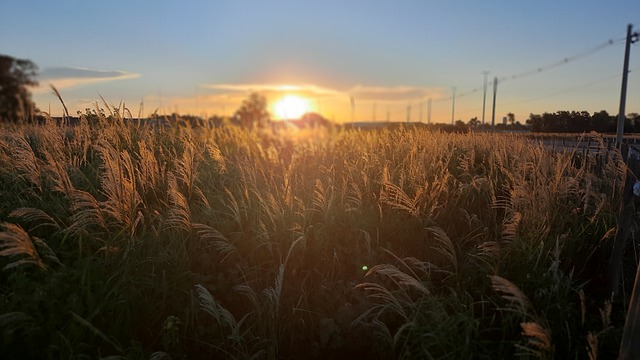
(353, 109)
(484, 95)
(429, 111)
(495, 91)
(374, 111)
(453, 105)
(623, 91)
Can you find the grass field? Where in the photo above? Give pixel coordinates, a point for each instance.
(177, 242)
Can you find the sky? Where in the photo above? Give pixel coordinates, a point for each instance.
(350, 60)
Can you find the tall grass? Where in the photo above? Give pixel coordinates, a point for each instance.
(143, 241)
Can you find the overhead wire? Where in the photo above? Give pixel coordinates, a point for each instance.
(541, 69)
(568, 90)
(528, 73)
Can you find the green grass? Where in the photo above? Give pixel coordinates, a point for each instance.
(145, 242)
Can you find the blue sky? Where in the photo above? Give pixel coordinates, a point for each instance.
(203, 57)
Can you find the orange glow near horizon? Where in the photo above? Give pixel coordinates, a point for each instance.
(291, 107)
(287, 101)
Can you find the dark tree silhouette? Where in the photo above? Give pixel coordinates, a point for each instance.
(634, 119)
(16, 75)
(603, 122)
(460, 126)
(253, 111)
(535, 122)
(576, 122)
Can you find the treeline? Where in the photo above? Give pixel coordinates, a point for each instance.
(581, 121)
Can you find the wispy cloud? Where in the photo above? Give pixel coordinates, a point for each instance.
(225, 98)
(69, 77)
(302, 89)
(358, 92)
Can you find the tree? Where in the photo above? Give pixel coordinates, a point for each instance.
(602, 122)
(253, 111)
(474, 122)
(16, 75)
(535, 122)
(460, 126)
(635, 121)
(511, 118)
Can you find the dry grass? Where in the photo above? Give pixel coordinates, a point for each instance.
(256, 240)
(16, 243)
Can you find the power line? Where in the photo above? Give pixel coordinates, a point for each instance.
(544, 68)
(564, 91)
(563, 61)
(528, 73)
(568, 90)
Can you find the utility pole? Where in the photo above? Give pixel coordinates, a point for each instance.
(353, 109)
(197, 102)
(629, 346)
(374, 111)
(429, 111)
(484, 95)
(453, 106)
(420, 104)
(408, 113)
(495, 91)
(631, 38)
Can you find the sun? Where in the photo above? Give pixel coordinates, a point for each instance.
(291, 107)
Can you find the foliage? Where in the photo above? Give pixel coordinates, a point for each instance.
(215, 242)
(16, 75)
(581, 121)
(253, 111)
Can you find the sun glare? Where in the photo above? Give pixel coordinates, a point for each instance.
(291, 107)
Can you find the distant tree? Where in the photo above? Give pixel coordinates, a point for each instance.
(602, 122)
(460, 126)
(572, 121)
(473, 122)
(16, 75)
(253, 111)
(511, 118)
(634, 118)
(535, 122)
(576, 122)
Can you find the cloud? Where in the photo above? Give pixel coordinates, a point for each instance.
(304, 89)
(225, 98)
(358, 92)
(69, 77)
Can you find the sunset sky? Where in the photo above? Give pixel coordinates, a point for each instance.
(387, 58)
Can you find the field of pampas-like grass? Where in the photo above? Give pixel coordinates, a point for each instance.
(121, 240)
